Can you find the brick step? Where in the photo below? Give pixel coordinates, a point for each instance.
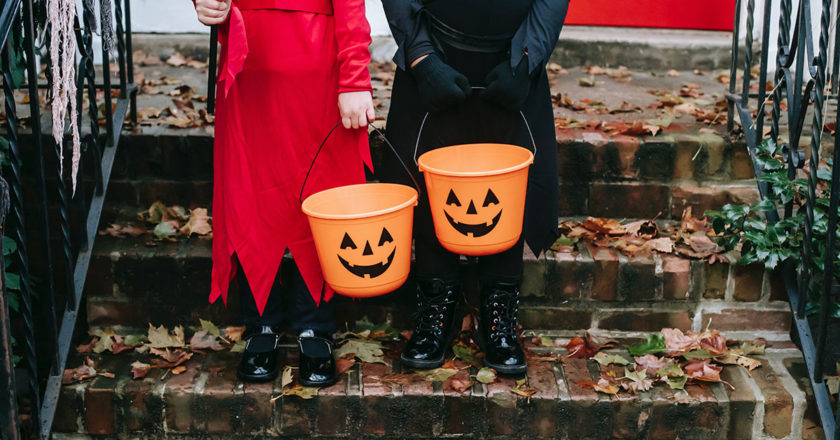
(207, 401)
(131, 284)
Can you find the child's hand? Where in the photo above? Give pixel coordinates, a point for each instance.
(212, 12)
(356, 109)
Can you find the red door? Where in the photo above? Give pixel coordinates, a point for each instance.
(672, 14)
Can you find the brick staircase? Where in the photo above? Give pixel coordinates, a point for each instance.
(623, 177)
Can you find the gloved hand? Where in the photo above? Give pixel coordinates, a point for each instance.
(440, 85)
(508, 88)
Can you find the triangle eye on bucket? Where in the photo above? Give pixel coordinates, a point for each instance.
(347, 242)
(491, 199)
(452, 199)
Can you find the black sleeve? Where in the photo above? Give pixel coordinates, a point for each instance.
(539, 33)
(410, 33)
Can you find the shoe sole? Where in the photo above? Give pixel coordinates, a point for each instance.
(421, 364)
(256, 378)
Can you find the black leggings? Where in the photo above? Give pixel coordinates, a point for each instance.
(434, 261)
(305, 313)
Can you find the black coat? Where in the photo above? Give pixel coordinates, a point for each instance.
(476, 120)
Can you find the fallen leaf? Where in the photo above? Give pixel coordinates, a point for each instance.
(342, 365)
(661, 244)
(486, 375)
(587, 82)
(301, 391)
(160, 337)
(676, 383)
(198, 223)
(606, 385)
(400, 378)
(607, 359)
(176, 60)
(636, 381)
(202, 340)
(652, 364)
(165, 229)
(673, 73)
(460, 385)
(756, 346)
(209, 327)
(655, 344)
(366, 350)
(697, 354)
(80, 373)
(234, 334)
(523, 390)
(139, 369)
(287, 378)
(703, 370)
(677, 342)
(170, 358)
(437, 374)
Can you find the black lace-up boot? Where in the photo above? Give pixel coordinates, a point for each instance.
(436, 305)
(499, 308)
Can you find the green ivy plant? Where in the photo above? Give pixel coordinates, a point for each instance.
(771, 243)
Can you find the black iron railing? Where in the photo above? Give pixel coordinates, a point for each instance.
(44, 328)
(802, 69)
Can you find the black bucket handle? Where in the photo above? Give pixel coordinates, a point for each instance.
(378, 132)
(426, 117)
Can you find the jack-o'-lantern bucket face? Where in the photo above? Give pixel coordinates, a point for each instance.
(362, 235)
(367, 261)
(473, 219)
(477, 195)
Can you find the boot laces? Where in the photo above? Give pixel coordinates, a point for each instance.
(431, 313)
(503, 308)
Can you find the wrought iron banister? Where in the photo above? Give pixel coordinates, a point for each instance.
(58, 303)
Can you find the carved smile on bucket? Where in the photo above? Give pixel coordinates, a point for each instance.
(369, 270)
(473, 229)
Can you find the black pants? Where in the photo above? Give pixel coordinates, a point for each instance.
(434, 261)
(305, 313)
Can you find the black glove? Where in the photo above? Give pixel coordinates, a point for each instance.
(508, 88)
(440, 86)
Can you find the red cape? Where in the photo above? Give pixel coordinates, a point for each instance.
(280, 73)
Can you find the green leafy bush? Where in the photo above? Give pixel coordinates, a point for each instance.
(747, 229)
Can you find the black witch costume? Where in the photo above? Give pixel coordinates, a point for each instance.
(484, 71)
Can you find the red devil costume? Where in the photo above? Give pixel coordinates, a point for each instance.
(282, 66)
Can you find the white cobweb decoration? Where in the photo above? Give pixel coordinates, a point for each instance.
(61, 16)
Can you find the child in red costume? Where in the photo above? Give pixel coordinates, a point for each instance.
(289, 71)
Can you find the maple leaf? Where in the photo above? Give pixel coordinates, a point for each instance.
(606, 385)
(80, 373)
(676, 383)
(578, 349)
(342, 365)
(87, 348)
(139, 369)
(713, 342)
(677, 342)
(607, 359)
(170, 359)
(662, 244)
(756, 346)
(655, 344)
(486, 375)
(437, 374)
(176, 60)
(365, 350)
(636, 381)
(604, 226)
(670, 370)
(703, 370)
(523, 390)
(460, 385)
(209, 327)
(106, 340)
(697, 354)
(160, 337)
(286, 378)
(652, 364)
(301, 391)
(198, 223)
(202, 340)
(234, 334)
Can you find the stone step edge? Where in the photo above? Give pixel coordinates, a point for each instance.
(768, 402)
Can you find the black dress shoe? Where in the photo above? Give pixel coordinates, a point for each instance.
(317, 365)
(497, 328)
(433, 333)
(259, 360)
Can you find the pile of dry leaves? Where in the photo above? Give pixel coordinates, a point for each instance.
(166, 223)
(670, 357)
(690, 239)
(167, 350)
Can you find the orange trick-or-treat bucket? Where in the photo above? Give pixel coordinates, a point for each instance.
(477, 195)
(362, 235)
